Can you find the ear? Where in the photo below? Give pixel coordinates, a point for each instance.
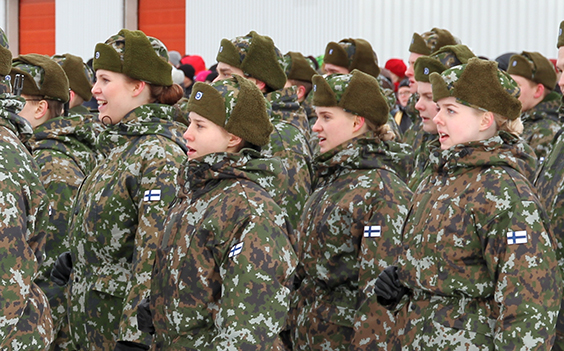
(41, 109)
(301, 92)
(72, 94)
(539, 91)
(138, 87)
(261, 85)
(358, 123)
(487, 120)
(234, 141)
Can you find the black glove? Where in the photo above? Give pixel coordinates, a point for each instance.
(388, 287)
(62, 268)
(130, 346)
(144, 316)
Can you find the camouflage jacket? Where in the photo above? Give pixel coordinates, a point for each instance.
(223, 274)
(541, 124)
(285, 107)
(359, 190)
(412, 135)
(290, 144)
(420, 170)
(476, 255)
(118, 219)
(26, 322)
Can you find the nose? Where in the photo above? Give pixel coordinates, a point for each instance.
(188, 134)
(409, 72)
(418, 105)
(438, 119)
(316, 127)
(95, 89)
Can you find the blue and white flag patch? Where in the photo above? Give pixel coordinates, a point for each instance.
(518, 237)
(152, 195)
(372, 231)
(236, 249)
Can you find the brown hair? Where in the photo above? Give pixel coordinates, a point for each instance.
(384, 132)
(54, 108)
(166, 95)
(307, 85)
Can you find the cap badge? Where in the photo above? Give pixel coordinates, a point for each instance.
(221, 48)
(97, 55)
(514, 63)
(426, 71)
(198, 95)
(330, 51)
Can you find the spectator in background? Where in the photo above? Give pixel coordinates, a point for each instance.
(188, 82)
(397, 70)
(196, 61)
(174, 58)
(403, 94)
(503, 60)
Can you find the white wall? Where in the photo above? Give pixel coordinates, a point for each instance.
(3, 14)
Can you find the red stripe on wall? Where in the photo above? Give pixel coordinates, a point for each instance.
(37, 27)
(165, 20)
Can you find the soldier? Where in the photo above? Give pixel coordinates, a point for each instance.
(478, 268)
(536, 77)
(119, 212)
(550, 186)
(223, 272)
(359, 191)
(26, 322)
(64, 161)
(255, 57)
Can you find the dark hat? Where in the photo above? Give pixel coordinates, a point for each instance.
(80, 75)
(135, 55)
(503, 60)
(42, 77)
(5, 54)
(431, 41)
(534, 67)
(235, 104)
(560, 41)
(297, 67)
(479, 84)
(357, 92)
(352, 54)
(189, 71)
(256, 56)
(446, 57)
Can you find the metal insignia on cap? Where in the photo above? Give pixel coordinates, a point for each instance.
(198, 95)
(97, 55)
(330, 51)
(315, 87)
(426, 71)
(514, 63)
(559, 34)
(221, 48)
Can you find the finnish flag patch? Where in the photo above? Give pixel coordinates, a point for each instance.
(517, 237)
(372, 231)
(152, 195)
(236, 249)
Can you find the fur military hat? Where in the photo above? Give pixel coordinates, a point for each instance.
(256, 56)
(446, 57)
(431, 41)
(352, 54)
(534, 67)
(135, 55)
(80, 75)
(358, 93)
(479, 84)
(297, 67)
(42, 77)
(560, 41)
(235, 104)
(5, 54)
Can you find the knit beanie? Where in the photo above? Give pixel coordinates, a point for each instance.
(297, 67)
(446, 57)
(256, 56)
(396, 66)
(353, 54)
(5, 54)
(235, 104)
(479, 84)
(560, 41)
(195, 61)
(42, 77)
(135, 55)
(80, 75)
(188, 70)
(431, 41)
(534, 67)
(357, 93)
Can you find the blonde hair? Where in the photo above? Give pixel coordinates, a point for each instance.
(514, 127)
(384, 131)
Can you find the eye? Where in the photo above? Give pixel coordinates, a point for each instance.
(199, 126)
(450, 111)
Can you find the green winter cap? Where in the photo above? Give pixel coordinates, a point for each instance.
(296, 67)
(235, 104)
(5, 54)
(135, 55)
(431, 41)
(80, 75)
(534, 67)
(353, 54)
(256, 56)
(358, 93)
(42, 77)
(446, 57)
(479, 84)
(560, 42)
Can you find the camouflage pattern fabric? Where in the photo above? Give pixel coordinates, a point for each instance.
(285, 107)
(290, 144)
(421, 170)
(117, 224)
(412, 135)
(26, 322)
(223, 274)
(541, 124)
(477, 256)
(358, 188)
(64, 159)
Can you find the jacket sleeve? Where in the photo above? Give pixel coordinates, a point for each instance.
(520, 256)
(256, 272)
(156, 190)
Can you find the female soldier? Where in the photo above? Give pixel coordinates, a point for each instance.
(359, 197)
(478, 268)
(121, 206)
(223, 273)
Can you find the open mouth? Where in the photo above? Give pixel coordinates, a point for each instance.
(101, 103)
(442, 136)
